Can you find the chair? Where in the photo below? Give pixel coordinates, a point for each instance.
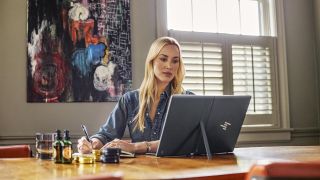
(285, 170)
(15, 151)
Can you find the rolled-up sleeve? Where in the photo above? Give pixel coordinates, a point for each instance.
(115, 124)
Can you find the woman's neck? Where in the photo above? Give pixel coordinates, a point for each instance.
(161, 88)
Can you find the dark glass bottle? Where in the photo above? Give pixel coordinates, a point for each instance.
(57, 148)
(67, 148)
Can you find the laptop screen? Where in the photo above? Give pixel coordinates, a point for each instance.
(221, 118)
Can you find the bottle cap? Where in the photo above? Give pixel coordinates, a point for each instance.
(58, 134)
(66, 134)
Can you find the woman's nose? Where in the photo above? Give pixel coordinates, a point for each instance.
(168, 65)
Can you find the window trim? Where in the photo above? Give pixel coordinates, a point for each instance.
(280, 64)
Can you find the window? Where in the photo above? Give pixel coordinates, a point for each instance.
(229, 47)
(246, 17)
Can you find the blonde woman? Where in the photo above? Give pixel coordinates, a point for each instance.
(143, 110)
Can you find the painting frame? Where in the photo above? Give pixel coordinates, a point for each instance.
(78, 50)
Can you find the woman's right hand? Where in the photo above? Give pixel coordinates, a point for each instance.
(85, 147)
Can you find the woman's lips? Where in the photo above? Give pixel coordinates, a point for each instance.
(169, 74)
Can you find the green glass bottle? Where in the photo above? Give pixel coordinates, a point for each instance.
(67, 148)
(57, 148)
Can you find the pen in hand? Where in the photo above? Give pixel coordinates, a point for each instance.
(85, 132)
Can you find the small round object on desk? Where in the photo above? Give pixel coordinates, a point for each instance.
(96, 155)
(96, 152)
(110, 159)
(83, 158)
(86, 160)
(76, 158)
(110, 155)
(111, 151)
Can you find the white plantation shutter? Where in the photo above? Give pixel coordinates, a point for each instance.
(252, 76)
(232, 65)
(203, 64)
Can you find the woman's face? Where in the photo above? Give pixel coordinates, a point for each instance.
(166, 64)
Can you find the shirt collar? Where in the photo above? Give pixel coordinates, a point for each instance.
(167, 91)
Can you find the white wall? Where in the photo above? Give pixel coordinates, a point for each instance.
(19, 121)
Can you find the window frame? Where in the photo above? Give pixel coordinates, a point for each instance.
(280, 122)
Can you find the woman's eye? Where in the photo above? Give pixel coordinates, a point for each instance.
(175, 61)
(163, 59)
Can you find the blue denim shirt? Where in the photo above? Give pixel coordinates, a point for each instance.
(123, 115)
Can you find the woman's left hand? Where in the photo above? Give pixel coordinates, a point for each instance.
(123, 145)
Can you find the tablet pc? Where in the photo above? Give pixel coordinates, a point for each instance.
(221, 118)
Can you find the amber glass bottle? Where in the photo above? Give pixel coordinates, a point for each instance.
(57, 148)
(67, 148)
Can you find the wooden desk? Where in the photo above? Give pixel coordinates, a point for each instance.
(232, 166)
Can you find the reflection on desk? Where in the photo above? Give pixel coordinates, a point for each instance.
(227, 166)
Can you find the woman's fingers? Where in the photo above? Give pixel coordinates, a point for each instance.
(84, 149)
(95, 145)
(84, 146)
(113, 143)
(118, 143)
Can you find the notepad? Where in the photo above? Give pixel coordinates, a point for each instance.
(126, 154)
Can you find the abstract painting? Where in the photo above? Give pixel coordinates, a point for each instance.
(78, 50)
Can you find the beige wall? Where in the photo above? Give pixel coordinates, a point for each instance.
(302, 68)
(317, 24)
(20, 120)
(300, 37)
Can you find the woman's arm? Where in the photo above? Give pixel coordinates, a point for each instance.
(115, 124)
(146, 147)
(138, 147)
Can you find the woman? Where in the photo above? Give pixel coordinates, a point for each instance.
(143, 110)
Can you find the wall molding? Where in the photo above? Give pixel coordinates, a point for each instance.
(27, 139)
(306, 132)
(246, 138)
(294, 136)
(263, 136)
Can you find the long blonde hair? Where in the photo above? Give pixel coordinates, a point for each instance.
(148, 89)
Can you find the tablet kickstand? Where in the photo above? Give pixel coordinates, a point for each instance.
(205, 140)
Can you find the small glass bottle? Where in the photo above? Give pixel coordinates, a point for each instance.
(67, 148)
(57, 148)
